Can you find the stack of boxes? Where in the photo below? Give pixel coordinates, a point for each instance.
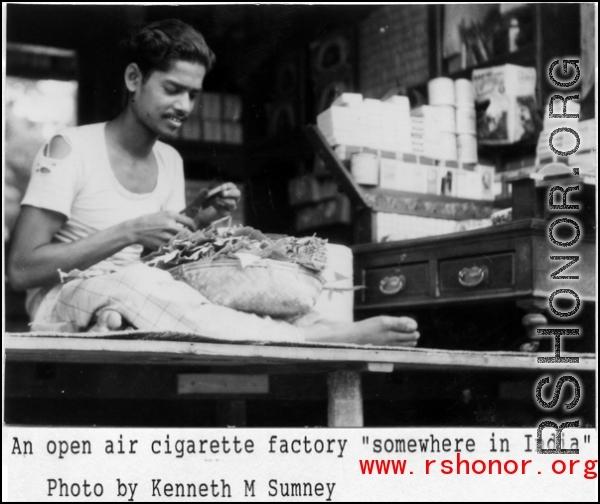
(506, 104)
(429, 150)
(318, 203)
(215, 118)
(386, 145)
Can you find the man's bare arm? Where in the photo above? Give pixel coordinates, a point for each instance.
(34, 260)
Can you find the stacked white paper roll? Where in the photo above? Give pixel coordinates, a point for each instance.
(440, 119)
(441, 91)
(465, 121)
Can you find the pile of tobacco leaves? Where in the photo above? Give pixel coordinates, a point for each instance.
(245, 244)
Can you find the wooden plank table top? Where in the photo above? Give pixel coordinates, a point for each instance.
(24, 347)
(344, 363)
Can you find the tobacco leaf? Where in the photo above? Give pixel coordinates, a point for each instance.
(243, 243)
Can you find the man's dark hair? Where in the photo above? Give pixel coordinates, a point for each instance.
(157, 45)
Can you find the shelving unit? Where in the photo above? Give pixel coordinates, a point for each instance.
(545, 21)
(367, 202)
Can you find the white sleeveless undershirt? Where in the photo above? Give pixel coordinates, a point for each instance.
(84, 188)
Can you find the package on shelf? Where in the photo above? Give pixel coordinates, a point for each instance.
(397, 122)
(391, 226)
(389, 173)
(434, 185)
(467, 185)
(192, 128)
(402, 102)
(464, 93)
(436, 117)
(447, 179)
(303, 189)
(232, 132)
(487, 180)
(368, 116)
(441, 91)
(466, 120)
(337, 210)
(212, 131)
(211, 106)
(505, 104)
(339, 126)
(411, 173)
(328, 189)
(466, 146)
(429, 140)
(403, 174)
(308, 217)
(232, 108)
(364, 167)
(352, 120)
(395, 126)
(325, 213)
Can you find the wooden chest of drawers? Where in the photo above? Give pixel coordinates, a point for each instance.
(471, 270)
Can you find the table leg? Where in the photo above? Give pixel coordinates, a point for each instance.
(231, 413)
(345, 404)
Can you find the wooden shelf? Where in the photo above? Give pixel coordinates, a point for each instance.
(525, 56)
(426, 205)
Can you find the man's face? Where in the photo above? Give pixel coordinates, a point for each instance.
(165, 100)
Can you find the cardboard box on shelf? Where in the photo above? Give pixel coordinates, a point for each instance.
(433, 180)
(447, 181)
(212, 131)
(326, 213)
(211, 106)
(303, 189)
(505, 104)
(391, 226)
(232, 108)
(389, 174)
(468, 185)
(486, 178)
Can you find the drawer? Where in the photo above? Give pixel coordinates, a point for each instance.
(487, 272)
(391, 283)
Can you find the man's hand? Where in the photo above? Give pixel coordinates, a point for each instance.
(224, 201)
(156, 229)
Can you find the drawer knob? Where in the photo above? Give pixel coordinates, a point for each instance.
(473, 276)
(392, 284)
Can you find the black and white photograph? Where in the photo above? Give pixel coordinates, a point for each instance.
(293, 220)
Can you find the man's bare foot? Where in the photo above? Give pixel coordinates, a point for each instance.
(108, 320)
(381, 330)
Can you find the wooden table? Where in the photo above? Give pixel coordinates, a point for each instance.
(471, 271)
(344, 364)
